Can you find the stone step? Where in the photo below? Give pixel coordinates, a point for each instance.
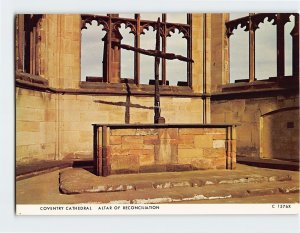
(76, 181)
(179, 194)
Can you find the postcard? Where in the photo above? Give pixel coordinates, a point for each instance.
(157, 113)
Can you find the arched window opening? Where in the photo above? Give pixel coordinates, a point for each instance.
(239, 56)
(127, 57)
(128, 48)
(176, 70)
(92, 52)
(288, 45)
(273, 45)
(265, 50)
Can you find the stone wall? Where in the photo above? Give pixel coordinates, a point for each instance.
(132, 149)
(36, 125)
(57, 126)
(51, 123)
(263, 124)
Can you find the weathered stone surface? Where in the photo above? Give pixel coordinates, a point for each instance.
(218, 143)
(203, 141)
(122, 132)
(151, 140)
(132, 140)
(147, 157)
(144, 185)
(143, 132)
(191, 131)
(115, 140)
(262, 191)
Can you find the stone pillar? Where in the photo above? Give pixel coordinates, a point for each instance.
(62, 53)
(210, 55)
(251, 50)
(280, 45)
(197, 53)
(115, 62)
(219, 52)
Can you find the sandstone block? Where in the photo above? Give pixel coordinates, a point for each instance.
(186, 146)
(29, 126)
(190, 153)
(168, 133)
(116, 150)
(219, 136)
(135, 151)
(203, 141)
(210, 152)
(143, 132)
(191, 131)
(129, 162)
(115, 140)
(85, 136)
(123, 132)
(203, 164)
(215, 130)
(148, 147)
(184, 160)
(147, 158)
(218, 143)
(132, 140)
(151, 140)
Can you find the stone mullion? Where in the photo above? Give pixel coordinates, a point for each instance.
(189, 51)
(164, 48)
(280, 45)
(251, 50)
(108, 63)
(137, 42)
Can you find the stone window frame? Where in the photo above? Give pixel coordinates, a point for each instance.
(137, 27)
(251, 24)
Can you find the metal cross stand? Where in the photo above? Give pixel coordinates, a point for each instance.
(157, 54)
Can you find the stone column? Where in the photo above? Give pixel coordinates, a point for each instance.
(197, 53)
(115, 56)
(62, 53)
(219, 52)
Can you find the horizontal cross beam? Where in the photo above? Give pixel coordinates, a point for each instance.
(156, 53)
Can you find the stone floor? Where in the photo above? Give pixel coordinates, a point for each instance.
(244, 185)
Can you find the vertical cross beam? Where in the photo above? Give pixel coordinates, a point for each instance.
(137, 54)
(189, 51)
(251, 50)
(164, 47)
(280, 45)
(156, 74)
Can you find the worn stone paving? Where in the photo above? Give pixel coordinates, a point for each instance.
(78, 180)
(44, 189)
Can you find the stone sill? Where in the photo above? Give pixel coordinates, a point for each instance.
(141, 89)
(259, 89)
(30, 78)
(273, 82)
(37, 83)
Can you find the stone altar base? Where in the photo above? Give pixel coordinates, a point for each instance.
(163, 187)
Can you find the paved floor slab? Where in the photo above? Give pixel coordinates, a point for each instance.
(44, 189)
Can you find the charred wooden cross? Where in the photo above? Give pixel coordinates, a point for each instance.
(157, 54)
